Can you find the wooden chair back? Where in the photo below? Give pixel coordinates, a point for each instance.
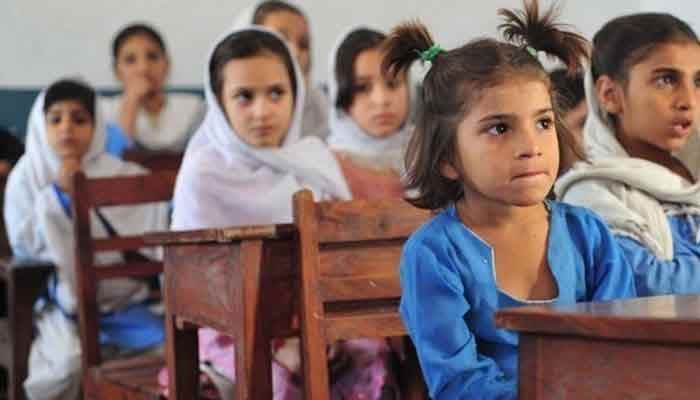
(100, 193)
(349, 255)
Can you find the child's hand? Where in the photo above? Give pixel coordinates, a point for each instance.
(69, 166)
(136, 88)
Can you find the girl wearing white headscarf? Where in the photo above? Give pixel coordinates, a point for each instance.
(144, 116)
(368, 115)
(289, 20)
(650, 198)
(236, 173)
(66, 134)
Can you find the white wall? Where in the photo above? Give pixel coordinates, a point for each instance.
(41, 40)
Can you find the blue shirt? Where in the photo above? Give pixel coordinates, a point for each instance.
(117, 140)
(680, 275)
(449, 296)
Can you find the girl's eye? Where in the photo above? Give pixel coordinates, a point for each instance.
(79, 119)
(498, 129)
(243, 97)
(665, 80)
(362, 88)
(54, 119)
(129, 59)
(545, 124)
(153, 56)
(277, 93)
(697, 82)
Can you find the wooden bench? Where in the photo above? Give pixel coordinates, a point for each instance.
(349, 256)
(239, 281)
(628, 349)
(121, 379)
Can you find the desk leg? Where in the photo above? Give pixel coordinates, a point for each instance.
(183, 360)
(254, 360)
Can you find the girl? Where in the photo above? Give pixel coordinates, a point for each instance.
(569, 88)
(643, 88)
(485, 153)
(368, 116)
(143, 116)
(243, 166)
(290, 21)
(65, 135)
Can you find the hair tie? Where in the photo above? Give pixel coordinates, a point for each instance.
(531, 50)
(430, 53)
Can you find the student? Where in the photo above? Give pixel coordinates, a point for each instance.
(65, 135)
(643, 91)
(144, 116)
(572, 101)
(243, 166)
(289, 20)
(484, 155)
(368, 116)
(11, 150)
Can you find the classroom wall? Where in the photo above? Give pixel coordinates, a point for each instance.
(44, 40)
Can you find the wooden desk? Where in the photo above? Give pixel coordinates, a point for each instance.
(645, 348)
(239, 281)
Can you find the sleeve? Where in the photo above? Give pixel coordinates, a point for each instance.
(611, 276)
(433, 306)
(654, 276)
(117, 141)
(21, 219)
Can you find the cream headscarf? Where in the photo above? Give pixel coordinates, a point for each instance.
(632, 195)
(223, 181)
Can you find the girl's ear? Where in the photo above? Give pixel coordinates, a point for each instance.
(449, 171)
(609, 94)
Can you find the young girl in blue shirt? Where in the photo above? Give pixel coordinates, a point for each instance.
(484, 156)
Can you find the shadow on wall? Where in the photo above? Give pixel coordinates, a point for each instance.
(15, 105)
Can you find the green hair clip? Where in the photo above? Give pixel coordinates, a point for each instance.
(531, 50)
(431, 53)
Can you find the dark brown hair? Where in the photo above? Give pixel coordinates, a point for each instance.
(457, 77)
(69, 89)
(355, 43)
(625, 41)
(272, 6)
(246, 44)
(135, 30)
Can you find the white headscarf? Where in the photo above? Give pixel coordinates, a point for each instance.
(45, 164)
(346, 135)
(633, 195)
(39, 227)
(223, 181)
(34, 172)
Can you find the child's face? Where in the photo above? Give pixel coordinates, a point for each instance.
(659, 105)
(507, 146)
(295, 31)
(257, 98)
(380, 105)
(69, 129)
(140, 57)
(574, 120)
